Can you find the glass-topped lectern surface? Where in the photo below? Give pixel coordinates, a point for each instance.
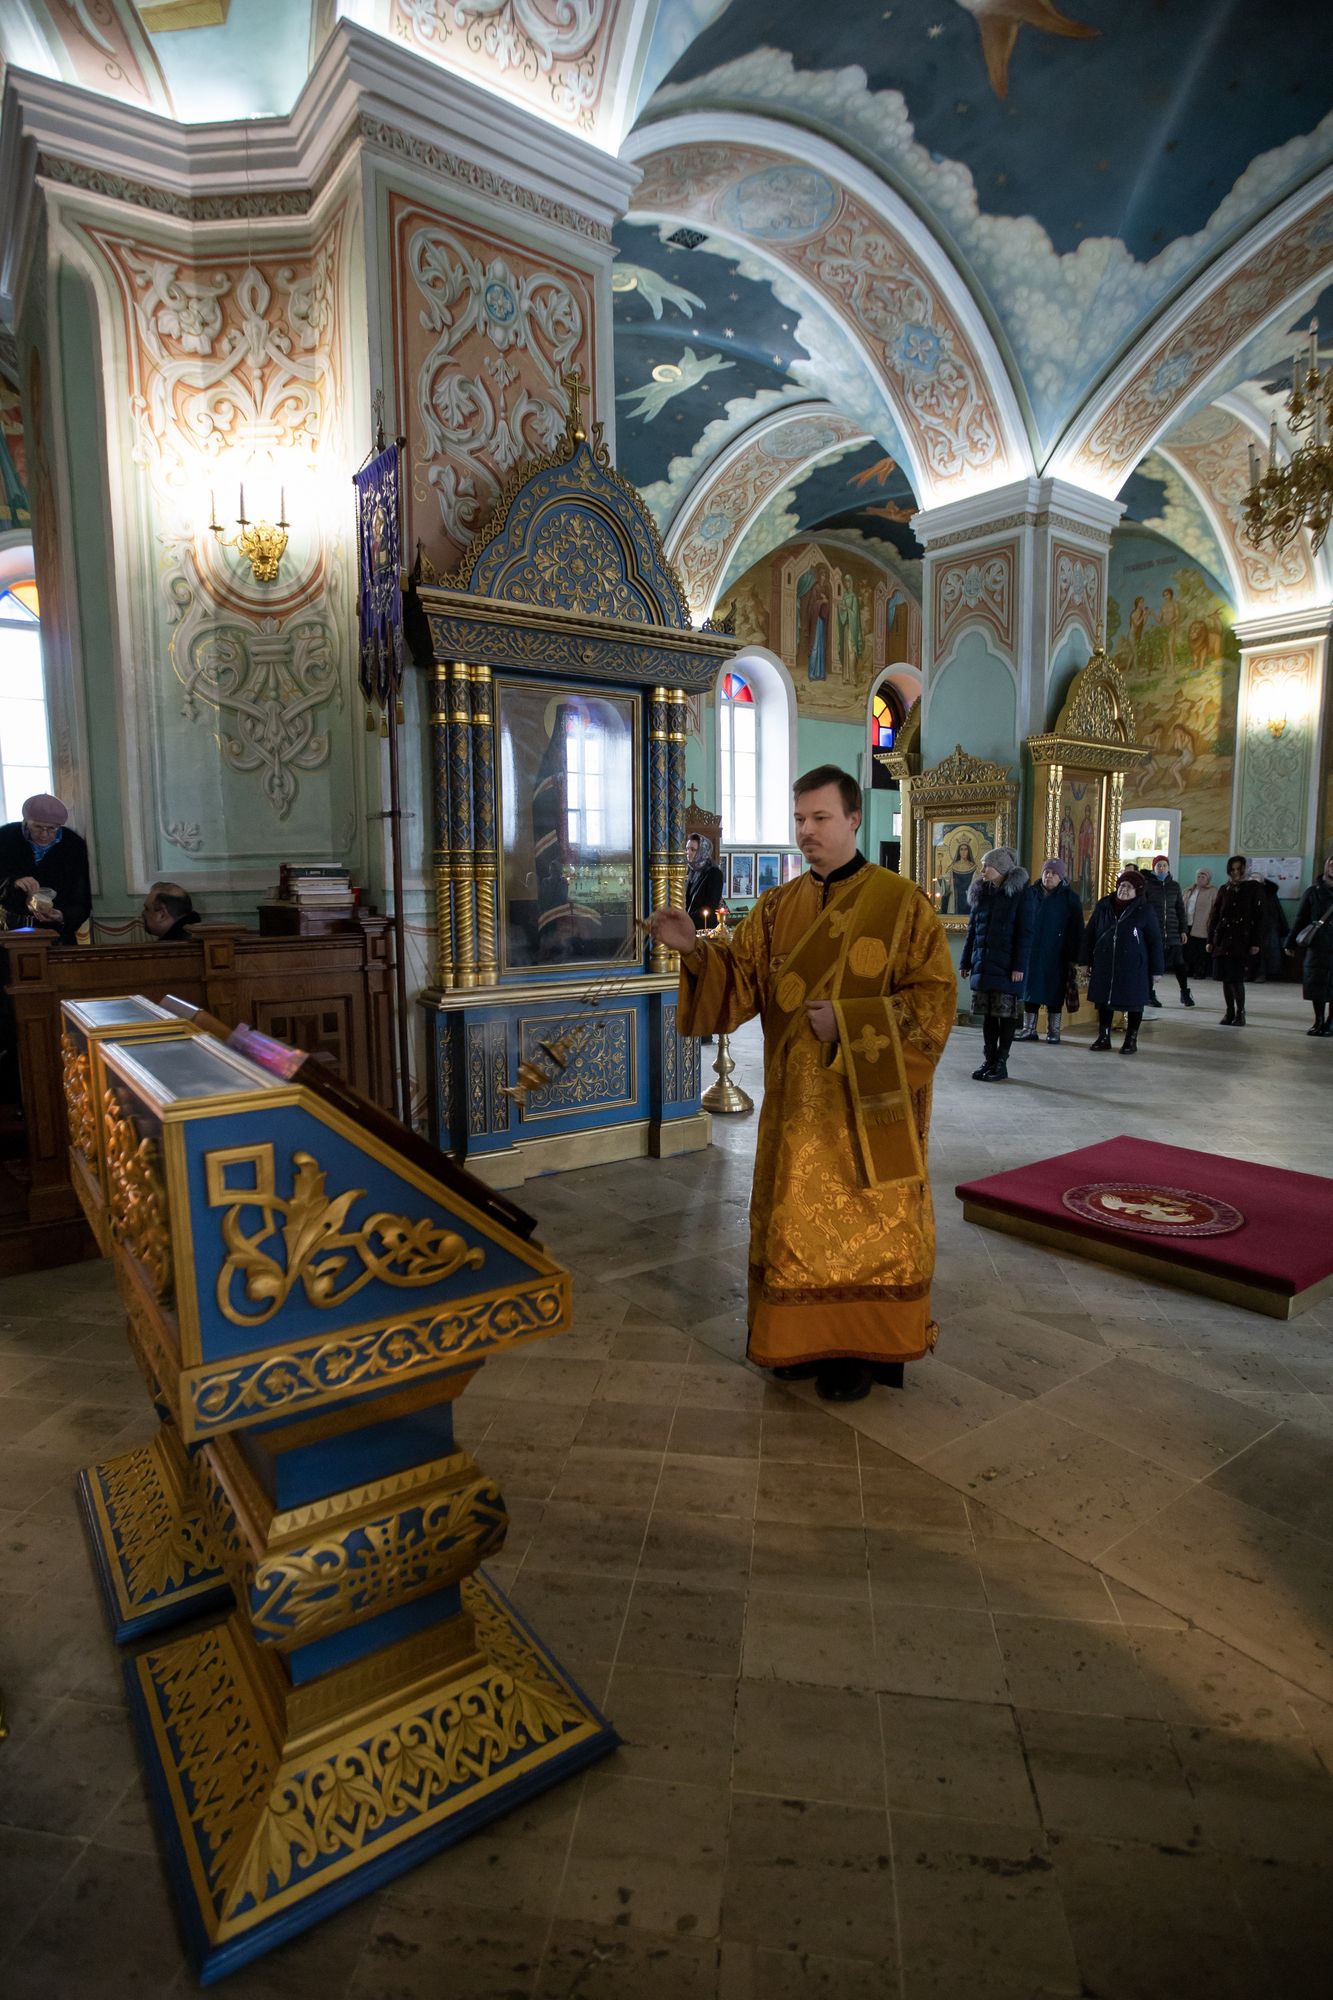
(188, 1067)
(127, 1012)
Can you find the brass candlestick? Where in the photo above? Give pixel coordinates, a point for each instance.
(724, 1095)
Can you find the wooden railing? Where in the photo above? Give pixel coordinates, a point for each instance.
(332, 995)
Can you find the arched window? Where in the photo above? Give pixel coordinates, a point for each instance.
(886, 719)
(25, 747)
(738, 746)
(756, 750)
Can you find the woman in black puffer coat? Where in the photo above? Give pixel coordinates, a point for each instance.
(995, 955)
(1316, 915)
(1123, 946)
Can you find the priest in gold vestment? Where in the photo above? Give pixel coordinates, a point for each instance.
(849, 970)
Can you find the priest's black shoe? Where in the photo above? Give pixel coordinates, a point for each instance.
(1103, 1041)
(843, 1381)
(889, 1374)
(798, 1371)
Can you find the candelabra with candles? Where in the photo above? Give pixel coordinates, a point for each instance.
(1283, 499)
(262, 543)
(724, 1095)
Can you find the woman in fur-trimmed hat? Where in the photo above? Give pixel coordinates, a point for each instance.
(995, 955)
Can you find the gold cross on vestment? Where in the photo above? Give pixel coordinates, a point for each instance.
(870, 1045)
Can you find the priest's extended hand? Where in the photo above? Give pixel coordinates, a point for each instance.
(673, 929)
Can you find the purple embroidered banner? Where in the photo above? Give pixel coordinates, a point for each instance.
(381, 667)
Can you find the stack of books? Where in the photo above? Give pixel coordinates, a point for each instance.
(326, 888)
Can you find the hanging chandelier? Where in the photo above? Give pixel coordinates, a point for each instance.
(1286, 498)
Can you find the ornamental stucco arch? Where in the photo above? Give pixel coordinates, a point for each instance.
(808, 208)
(723, 504)
(1169, 367)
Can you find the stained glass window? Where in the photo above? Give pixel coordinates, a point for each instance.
(738, 744)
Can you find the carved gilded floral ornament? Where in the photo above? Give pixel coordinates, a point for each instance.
(331, 1260)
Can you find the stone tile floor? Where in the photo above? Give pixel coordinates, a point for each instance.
(1017, 1683)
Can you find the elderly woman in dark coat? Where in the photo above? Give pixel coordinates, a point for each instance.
(1235, 934)
(1123, 947)
(1316, 915)
(995, 954)
(1057, 933)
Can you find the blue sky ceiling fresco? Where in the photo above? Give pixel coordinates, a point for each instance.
(713, 336)
(1082, 162)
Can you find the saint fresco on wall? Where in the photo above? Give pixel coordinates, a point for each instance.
(1169, 630)
(828, 612)
(14, 508)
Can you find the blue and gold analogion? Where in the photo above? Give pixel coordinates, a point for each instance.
(310, 1299)
(149, 1536)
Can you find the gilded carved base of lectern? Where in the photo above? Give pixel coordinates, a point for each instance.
(309, 1291)
(279, 1820)
(151, 1544)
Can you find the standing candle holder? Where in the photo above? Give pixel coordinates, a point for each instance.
(724, 1095)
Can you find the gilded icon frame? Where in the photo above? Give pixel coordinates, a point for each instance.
(968, 800)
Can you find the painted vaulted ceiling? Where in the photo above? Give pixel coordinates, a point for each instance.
(882, 256)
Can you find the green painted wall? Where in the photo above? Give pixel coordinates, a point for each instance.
(973, 702)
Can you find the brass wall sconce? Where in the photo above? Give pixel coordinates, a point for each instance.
(262, 543)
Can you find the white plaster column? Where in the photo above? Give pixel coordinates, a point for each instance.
(1283, 735)
(1013, 602)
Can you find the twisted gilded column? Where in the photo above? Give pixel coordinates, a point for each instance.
(486, 861)
(461, 828)
(676, 713)
(442, 857)
(659, 813)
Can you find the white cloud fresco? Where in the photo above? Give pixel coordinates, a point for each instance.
(1063, 315)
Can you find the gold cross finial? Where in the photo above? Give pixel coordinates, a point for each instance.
(572, 384)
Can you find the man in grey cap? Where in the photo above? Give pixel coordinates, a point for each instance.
(44, 878)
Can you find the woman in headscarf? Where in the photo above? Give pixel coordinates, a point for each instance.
(703, 883)
(1198, 909)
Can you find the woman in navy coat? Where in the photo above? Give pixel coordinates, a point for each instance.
(1057, 933)
(1123, 946)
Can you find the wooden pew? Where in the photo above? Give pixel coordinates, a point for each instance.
(332, 995)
